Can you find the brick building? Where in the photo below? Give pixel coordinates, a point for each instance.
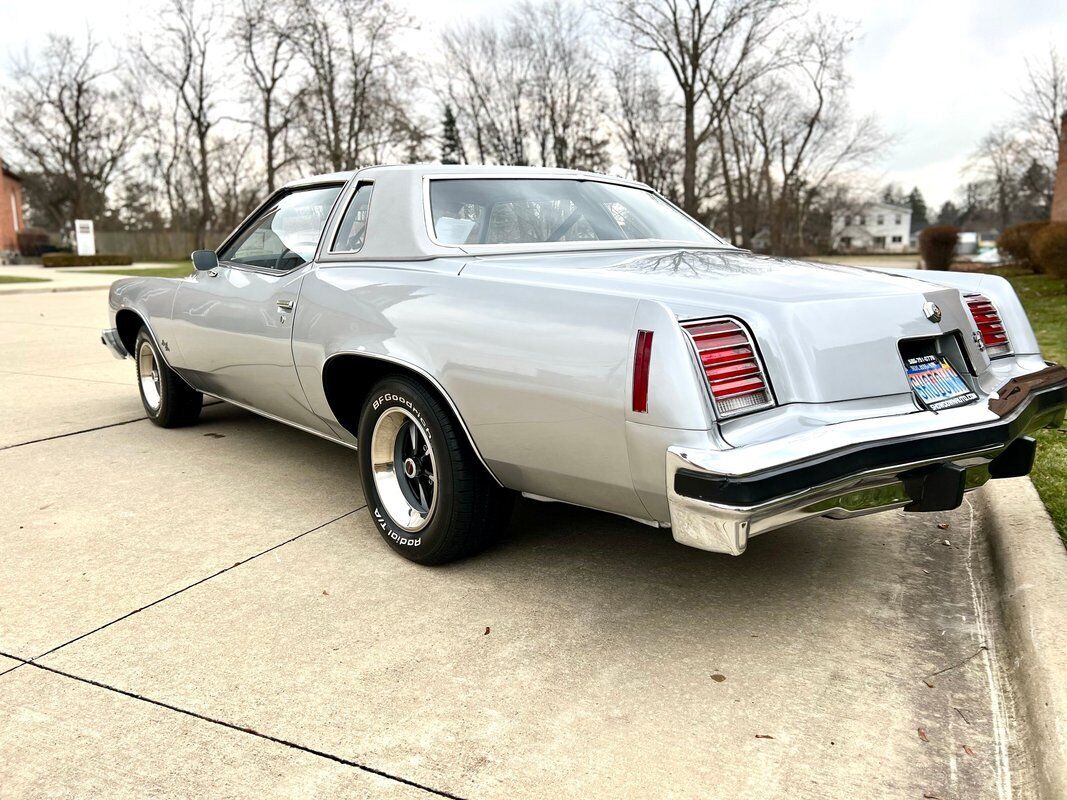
(1059, 194)
(11, 220)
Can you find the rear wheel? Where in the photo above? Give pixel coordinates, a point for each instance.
(430, 497)
(168, 400)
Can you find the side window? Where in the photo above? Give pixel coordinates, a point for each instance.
(353, 228)
(285, 234)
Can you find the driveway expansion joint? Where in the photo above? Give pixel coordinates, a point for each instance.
(32, 661)
(239, 728)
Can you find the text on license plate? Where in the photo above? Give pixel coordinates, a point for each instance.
(937, 384)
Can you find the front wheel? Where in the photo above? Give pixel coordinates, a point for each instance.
(168, 400)
(429, 496)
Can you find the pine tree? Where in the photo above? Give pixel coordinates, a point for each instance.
(450, 146)
(919, 211)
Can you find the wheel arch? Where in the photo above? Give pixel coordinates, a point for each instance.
(348, 377)
(127, 323)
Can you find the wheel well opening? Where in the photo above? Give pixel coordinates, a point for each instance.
(347, 380)
(127, 323)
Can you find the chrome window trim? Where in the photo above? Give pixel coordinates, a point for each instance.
(255, 215)
(331, 231)
(695, 354)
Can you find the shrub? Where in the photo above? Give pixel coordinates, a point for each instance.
(1016, 240)
(1049, 249)
(937, 243)
(33, 242)
(71, 260)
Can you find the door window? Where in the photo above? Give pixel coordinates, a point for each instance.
(285, 235)
(353, 228)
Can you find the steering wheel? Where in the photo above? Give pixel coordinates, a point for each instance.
(281, 257)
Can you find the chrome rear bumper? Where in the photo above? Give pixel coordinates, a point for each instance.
(717, 504)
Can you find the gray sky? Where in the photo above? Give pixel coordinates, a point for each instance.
(937, 73)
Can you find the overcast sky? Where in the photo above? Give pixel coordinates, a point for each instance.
(938, 73)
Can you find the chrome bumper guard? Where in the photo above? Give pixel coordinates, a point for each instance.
(720, 509)
(110, 338)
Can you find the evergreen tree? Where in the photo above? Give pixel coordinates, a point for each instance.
(949, 214)
(450, 146)
(919, 211)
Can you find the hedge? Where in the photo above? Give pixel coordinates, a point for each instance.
(1016, 240)
(71, 260)
(937, 244)
(1049, 248)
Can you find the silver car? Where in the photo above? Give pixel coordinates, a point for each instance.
(483, 332)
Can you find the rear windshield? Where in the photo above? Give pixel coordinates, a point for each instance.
(532, 210)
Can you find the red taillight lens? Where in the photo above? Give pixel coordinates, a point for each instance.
(729, 359)
(987, 318)
(642, 362)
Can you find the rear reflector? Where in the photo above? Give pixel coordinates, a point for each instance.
(987, 318)
(731, 364)
(642, 362)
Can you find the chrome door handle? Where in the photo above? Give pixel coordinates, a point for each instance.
(286, 305)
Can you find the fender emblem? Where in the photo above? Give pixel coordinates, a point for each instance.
(164, 345)
(932, 311)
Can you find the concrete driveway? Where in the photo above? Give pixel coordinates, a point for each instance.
(209, 613)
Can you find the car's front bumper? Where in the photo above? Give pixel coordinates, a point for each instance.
(719, 499)
(111, 339)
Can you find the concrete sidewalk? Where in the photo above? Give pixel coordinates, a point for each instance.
(210, 612)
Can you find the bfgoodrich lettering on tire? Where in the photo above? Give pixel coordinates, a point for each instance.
(427, 493)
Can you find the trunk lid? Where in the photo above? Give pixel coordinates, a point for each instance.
(826, 333)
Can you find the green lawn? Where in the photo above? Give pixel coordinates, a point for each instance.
(177, 271)
(1045, 301)
(19, 279)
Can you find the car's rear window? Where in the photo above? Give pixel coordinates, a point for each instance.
(539, 210)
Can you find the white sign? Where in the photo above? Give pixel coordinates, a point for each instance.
(84, 237)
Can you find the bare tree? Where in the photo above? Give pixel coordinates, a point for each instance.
(567, 110)
(71, 125)
(491, 89)
(526, 89)
(181, 58)
(714, 50)
(264, 33)
(353, 106)
(1041, 105)
(1000, 162)
(806, 136)
(646, 124)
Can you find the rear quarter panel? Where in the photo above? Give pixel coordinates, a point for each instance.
(540, 374)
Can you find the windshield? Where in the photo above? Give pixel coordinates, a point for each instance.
(536, 210)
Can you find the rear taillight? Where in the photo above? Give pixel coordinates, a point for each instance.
(732, 366)
(987, 318)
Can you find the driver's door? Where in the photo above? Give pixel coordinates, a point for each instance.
(234, 324)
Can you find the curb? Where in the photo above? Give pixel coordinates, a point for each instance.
(1030, 566)
(48, 290)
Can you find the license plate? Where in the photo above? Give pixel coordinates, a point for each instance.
(937, 384)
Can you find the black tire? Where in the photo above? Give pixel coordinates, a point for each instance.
(178, 404)
(467, 511)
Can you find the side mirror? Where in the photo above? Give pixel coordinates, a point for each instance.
(205, 260)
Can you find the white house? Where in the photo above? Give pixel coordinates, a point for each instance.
(874, 228)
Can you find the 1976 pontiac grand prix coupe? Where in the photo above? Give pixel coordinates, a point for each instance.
(480, 332)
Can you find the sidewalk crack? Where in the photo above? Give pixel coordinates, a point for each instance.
(272, 548)
(240, 728)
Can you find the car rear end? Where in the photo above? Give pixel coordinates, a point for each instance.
(832, 405)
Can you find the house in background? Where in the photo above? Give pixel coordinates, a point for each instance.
(11, 220)
(874, 228)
